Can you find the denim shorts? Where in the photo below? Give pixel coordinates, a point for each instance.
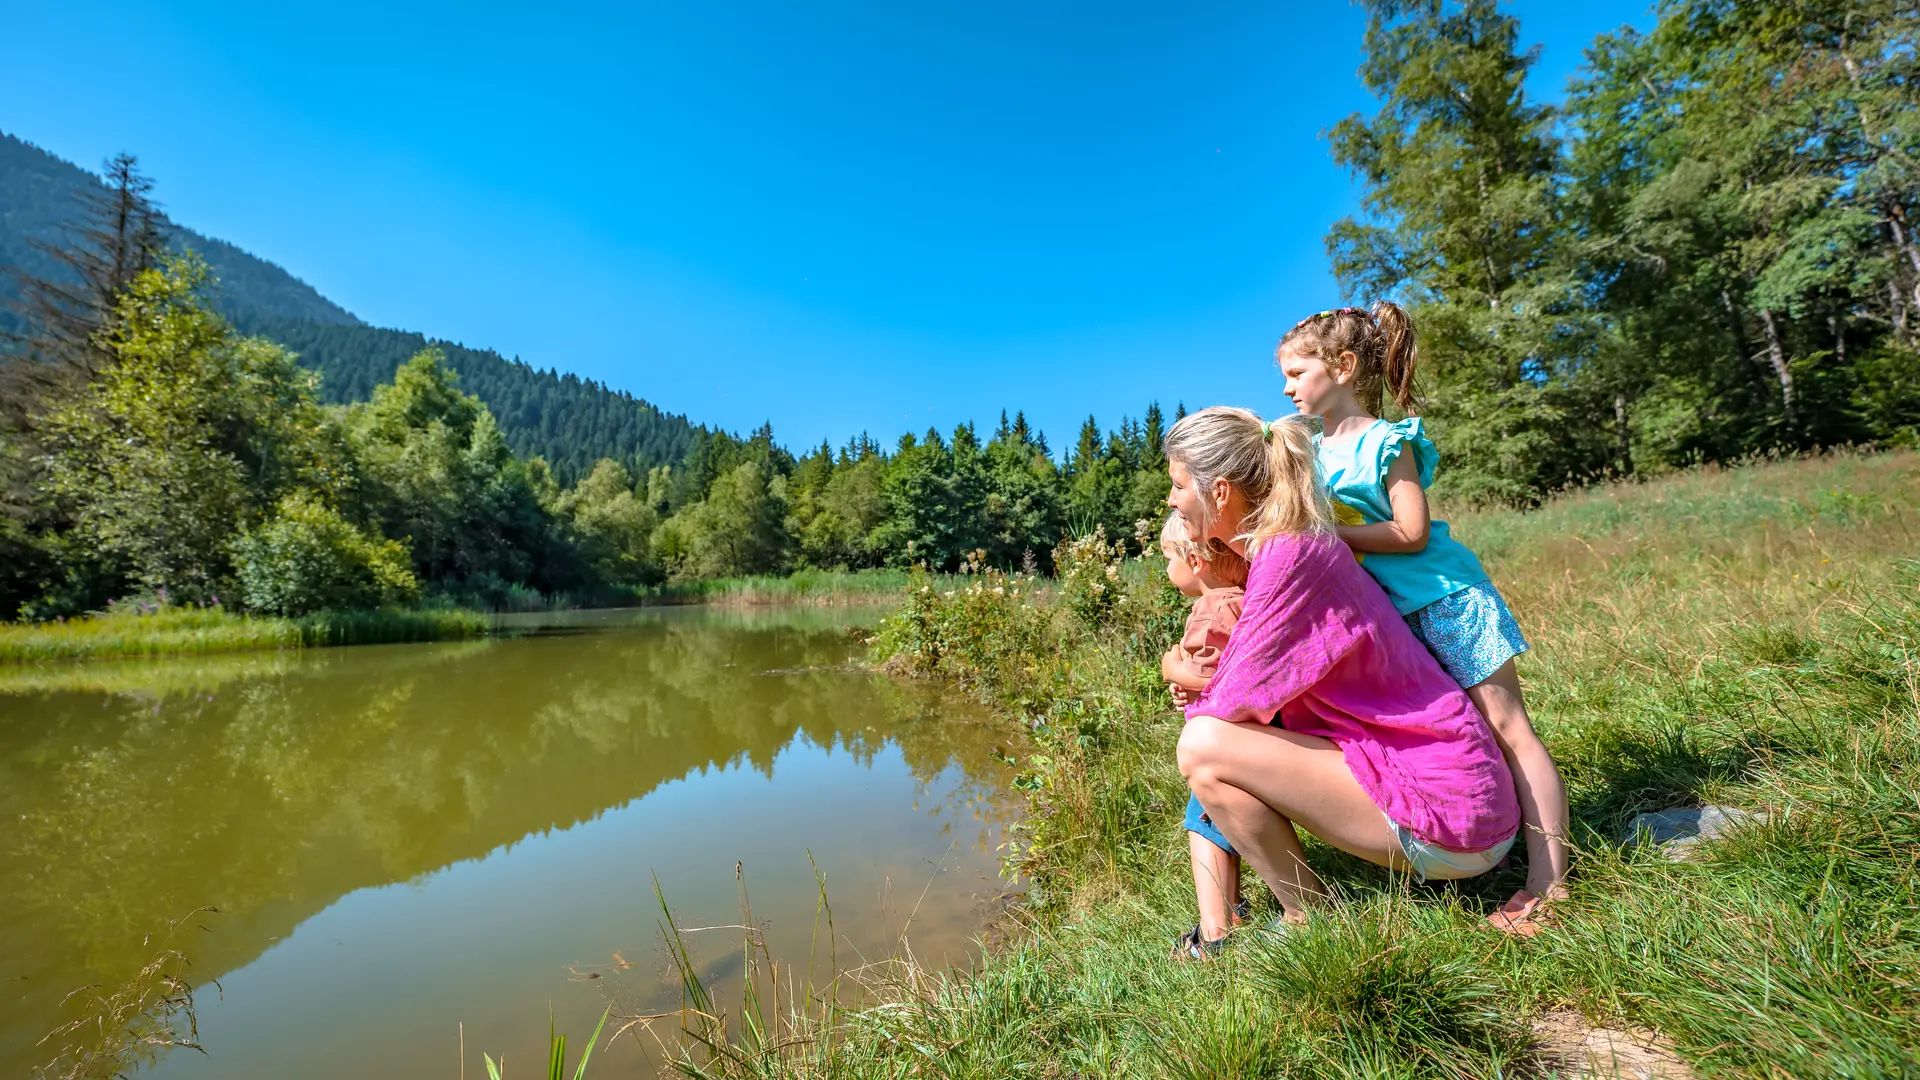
(1198, 822)
(1471, 632)
(1439, 864)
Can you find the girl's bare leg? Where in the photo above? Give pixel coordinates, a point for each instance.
(1257, 781)
(1536, 780)
(1216, 883)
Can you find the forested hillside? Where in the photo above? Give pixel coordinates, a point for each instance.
(569, 421)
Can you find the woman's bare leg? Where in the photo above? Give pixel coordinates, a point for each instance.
(1216, 884)
(1536, 781)
(1256, 782)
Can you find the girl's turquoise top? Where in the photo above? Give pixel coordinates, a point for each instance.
(1356, 474)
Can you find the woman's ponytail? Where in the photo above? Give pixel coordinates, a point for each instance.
(1399, 355)
(1296, 502)
(1273, 464)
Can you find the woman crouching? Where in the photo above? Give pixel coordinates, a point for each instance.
(1325, 712)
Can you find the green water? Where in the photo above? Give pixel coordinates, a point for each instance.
(403, 839)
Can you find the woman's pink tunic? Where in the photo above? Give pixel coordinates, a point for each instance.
(1319, 644)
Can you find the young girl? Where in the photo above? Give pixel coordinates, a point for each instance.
(1216, 580)
(1339, 364)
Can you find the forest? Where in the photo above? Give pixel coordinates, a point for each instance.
(1702, 255)
(154, 455)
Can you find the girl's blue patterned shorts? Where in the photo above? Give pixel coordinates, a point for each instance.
(1198, 822)
(1471, 633)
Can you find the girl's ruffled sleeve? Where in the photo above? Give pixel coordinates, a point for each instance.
(1410, 434)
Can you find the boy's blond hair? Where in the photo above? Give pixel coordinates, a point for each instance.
(1174, 540)
(1175, 544)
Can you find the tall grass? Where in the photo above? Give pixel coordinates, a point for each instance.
(1745, 637)
(188, 631)
(112, 1032)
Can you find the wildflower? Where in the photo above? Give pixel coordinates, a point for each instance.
(998, 591)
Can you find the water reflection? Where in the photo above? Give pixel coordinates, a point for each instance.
(537, 781)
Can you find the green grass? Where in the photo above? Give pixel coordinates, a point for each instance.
(1745, 637)
(188, 631)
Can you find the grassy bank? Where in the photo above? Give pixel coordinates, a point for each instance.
(189, 631)
(1744, 637)
(184, 631)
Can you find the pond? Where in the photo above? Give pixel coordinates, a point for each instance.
(402, 840)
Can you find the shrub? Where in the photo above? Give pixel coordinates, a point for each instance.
(1088, 569)
(989, 634)
(308, 558)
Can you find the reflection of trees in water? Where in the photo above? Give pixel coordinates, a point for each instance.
(272, 789)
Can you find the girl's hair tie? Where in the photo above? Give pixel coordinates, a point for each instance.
(1266, 430)
(1330, 312)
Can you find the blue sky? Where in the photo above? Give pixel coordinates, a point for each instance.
(834, 216)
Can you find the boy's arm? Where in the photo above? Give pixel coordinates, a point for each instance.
(1178, 675)
(1190, 670)
(1177, 669)
(1169, 661)
(1411, 522)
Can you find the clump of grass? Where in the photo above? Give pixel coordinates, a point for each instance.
(556, 1053)
(1747, 637)
(187, 631)
(391, 626)
(117, 1030)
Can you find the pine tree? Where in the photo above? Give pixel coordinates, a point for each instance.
(1462, 222)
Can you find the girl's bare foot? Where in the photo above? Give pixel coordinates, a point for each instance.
(1524, 914)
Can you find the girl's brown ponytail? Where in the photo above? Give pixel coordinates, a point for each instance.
(1399, 354)
(1382, 343)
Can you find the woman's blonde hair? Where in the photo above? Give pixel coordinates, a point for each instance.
(1272, 464)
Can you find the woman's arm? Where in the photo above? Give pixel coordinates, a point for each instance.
(1411, 522)
(1295, 626)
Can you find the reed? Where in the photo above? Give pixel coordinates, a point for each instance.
(190, 631)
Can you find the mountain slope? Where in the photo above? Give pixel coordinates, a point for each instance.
(39, 197)
(572, 422)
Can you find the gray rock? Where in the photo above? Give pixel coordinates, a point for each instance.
(1680, 829)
